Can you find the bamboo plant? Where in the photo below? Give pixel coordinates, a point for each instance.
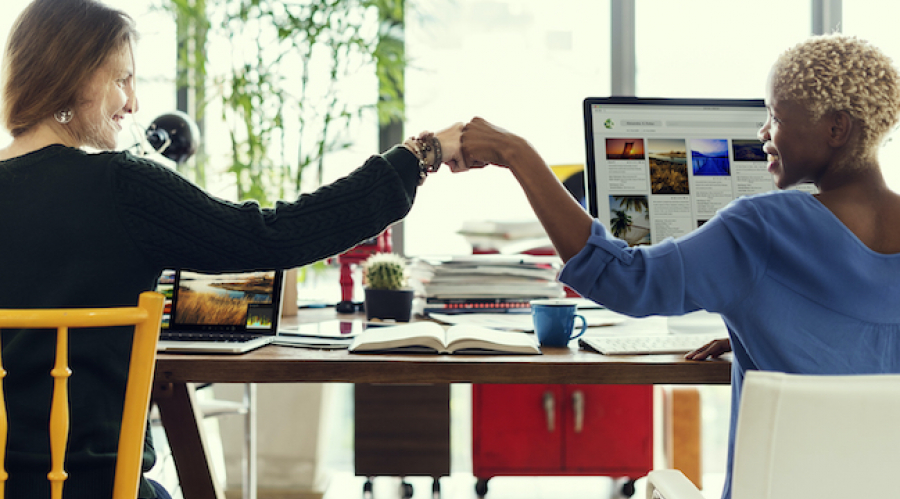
(282, 95)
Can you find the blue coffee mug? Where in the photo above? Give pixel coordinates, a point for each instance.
(554, 322)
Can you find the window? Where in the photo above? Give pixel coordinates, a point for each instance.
(525, 65)
(700, 49)
(876, 22)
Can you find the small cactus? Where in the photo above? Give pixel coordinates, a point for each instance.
(385, 271)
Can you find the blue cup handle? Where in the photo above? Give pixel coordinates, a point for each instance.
(583, 326)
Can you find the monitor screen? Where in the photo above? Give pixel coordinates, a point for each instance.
(659, 168)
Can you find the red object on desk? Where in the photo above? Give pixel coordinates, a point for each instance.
(358, 254)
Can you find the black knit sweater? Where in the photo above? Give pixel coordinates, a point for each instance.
(93, 230)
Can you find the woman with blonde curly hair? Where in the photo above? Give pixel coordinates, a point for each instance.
(805, 283)
(834, 81)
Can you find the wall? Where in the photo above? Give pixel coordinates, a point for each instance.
(288, 428)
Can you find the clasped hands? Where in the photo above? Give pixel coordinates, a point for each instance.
(475, 144)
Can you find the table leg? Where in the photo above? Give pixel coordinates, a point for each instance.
(181, 421)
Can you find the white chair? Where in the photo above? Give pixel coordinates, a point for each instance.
(808, 436)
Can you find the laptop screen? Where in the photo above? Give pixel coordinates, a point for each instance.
(248, 301)
(659, 168)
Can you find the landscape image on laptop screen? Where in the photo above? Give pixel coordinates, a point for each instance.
(241, 300)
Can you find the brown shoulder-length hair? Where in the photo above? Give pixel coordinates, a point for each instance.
(53, 50)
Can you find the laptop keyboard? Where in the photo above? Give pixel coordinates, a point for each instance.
(207, 336)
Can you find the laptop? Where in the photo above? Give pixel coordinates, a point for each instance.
(229, 313)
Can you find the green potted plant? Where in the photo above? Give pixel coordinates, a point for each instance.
(387, 295)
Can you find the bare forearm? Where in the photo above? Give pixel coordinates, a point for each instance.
(565, 221)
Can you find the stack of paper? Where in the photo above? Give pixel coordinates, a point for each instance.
(487, 283)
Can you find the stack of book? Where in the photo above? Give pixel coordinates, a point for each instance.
(486, 283)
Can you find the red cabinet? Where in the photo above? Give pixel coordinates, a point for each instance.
(533, 430)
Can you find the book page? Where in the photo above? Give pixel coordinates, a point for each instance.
(410, 337)
(463, 338)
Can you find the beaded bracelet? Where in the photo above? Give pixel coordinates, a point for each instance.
(413, 146)
(422, 146)
(435, 145)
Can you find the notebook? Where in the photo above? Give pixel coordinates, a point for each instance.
(219, 313)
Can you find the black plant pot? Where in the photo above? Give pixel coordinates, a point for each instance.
(386, 304)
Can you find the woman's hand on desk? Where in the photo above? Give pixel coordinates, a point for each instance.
(714, 349)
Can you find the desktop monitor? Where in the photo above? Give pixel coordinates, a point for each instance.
(659, 168)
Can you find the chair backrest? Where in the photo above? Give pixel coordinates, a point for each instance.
(817, 436)
(146, 319)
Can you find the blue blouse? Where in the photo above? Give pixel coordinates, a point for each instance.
(798, 291)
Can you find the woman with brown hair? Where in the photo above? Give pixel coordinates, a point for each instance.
(86, 229)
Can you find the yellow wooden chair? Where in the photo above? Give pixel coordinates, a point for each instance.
(146, 318)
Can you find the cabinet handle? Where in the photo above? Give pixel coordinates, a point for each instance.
(578, 409)
(550, 410)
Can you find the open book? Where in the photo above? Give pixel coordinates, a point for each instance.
(430, 337)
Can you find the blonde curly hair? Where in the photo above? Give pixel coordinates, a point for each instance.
(842, 73)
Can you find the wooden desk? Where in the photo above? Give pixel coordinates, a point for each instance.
(173, 392)
(274, 364)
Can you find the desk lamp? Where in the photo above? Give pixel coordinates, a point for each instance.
(174, 135)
